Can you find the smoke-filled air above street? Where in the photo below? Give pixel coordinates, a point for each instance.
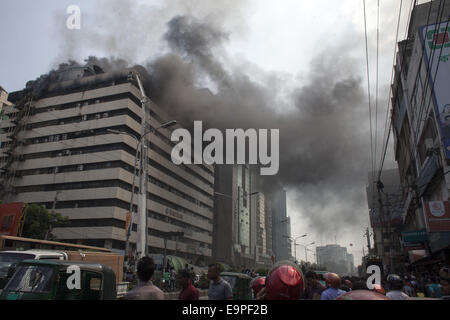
(296, 66)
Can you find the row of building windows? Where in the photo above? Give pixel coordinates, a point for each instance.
(98, 203)
(74, 168)
(101, 165)
(180, 194)
(75, 186)
(172, 144)
(186, 168)
(179, 178)
(175, 222)
(85, 117)
(84, 103)
(85, 223)
(98, 132)
(85, 87)
(85, 185)
(108, 165)
(174, 206)
(79, 151)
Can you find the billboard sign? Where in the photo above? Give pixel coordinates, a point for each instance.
(438, 216)
(416, 255)
(418, 236)
(436, 41)
(10, 217)
(439, 241)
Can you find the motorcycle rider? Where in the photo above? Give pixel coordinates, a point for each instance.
(396, 286)
(285, 281)
(257, 285)
(333, 282)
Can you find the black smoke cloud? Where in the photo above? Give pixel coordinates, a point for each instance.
(324, 135)
(324, 153)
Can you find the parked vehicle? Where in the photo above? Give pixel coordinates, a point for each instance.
(10, 259)
(240, 284)
(49, 280)
(321, 275)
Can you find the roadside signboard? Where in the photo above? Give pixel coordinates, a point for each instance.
(417, 236)
(438, 216)
(436, 41)
(11, 215)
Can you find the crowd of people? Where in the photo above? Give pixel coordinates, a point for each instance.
(285, 281)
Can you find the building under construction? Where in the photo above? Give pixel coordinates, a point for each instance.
(61, 150)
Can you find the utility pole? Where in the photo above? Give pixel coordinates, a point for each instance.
(306, 255)
(380, 186)
(367, 234)
(142, 245)
(391, 240)
(53, 212)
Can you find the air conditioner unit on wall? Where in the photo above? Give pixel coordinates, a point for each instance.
(429, 145)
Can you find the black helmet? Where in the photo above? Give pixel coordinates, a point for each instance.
(395, 281)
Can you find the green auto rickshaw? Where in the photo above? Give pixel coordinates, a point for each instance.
(60, 280)
(240, 284)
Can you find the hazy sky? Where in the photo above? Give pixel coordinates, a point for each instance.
(286, 43)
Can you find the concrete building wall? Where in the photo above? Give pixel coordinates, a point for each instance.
(224, 235)
(280, 235)
(69, 160)
(418, 142)
(334, 258)
(4, 104)
(235, 241)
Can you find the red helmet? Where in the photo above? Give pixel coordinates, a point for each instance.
(333, 280)
(284, 282)
(378, 288)
(258, 284)
(348, 283)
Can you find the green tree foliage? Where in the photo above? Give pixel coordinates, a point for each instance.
(39, 222)
(262, 272)
(204, 281)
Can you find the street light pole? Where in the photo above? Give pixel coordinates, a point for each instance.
(236, 215)
(142, 246)
(306, 246)
(142, 202)
(295, 244)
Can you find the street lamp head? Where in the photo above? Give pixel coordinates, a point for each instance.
(114, 131)
(168, 124)
(300, 236)
(223, 195)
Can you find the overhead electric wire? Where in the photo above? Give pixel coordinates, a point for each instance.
(386, 140)
(368, 91)
(424, 87)
(377, 77)
(429, 80)
(413, 3)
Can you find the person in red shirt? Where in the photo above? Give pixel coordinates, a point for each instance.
(188, 291)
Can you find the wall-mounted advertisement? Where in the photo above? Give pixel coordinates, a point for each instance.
(436, 39)
(11, 215)
(438, 216)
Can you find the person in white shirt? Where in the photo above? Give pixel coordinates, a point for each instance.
(396, 286)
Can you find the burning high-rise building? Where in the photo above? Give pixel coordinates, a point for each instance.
(63, 151)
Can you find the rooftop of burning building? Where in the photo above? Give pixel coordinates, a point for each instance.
(71, 78)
